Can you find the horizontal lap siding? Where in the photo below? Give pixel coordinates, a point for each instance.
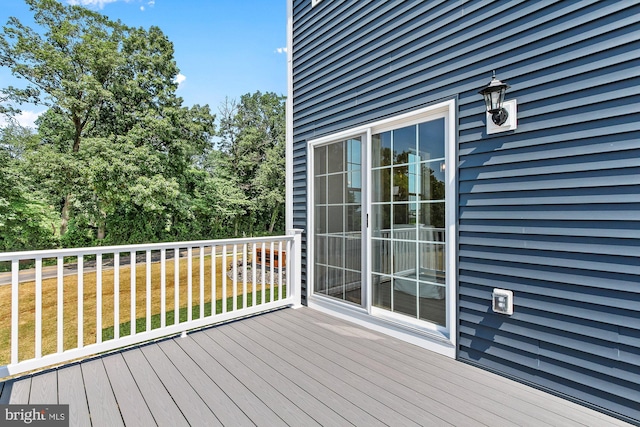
(550, 211)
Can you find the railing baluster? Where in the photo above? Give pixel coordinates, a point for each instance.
(244, 275)
(235, 277)
(176, 286)
(98, 298)
(280, 266)
(60, 318)
(271, 272)
(214, 281)
(80, 274)
(163, 288)
(189, 284)
(116, 295)
(254, 288)
(224, 278)
(295, 266)
(148, 290)
(201, 282)
(38, 311)
(132, 263)
(263, 257)
(287, 268)
(15, 282)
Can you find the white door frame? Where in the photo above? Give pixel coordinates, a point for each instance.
(425, 334)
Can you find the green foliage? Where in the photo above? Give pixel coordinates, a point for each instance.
(117, 158)
(26, 222)
(253, 146)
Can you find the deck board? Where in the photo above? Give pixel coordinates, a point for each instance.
(44, 388)
(249, 353)
(386, 407)
(289, 367)
(416, 400)
(194, 409)
(382, 378)
(71, 391)
(279, 359)
(255, 409)
(264, 391)
(425, 380)
(103, 407)
(18, 391)
(164, 409)
(222, 406)
(131, 402)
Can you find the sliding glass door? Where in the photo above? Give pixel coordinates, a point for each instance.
(408, 269)
(382, 220)
(337, 204)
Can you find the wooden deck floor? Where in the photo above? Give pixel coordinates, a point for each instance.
(290, 367)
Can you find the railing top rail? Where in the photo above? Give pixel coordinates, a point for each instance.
(95, 250)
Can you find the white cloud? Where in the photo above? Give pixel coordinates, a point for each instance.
(142, 8)
(281, 50)
(25, 119)
(180, 78)
(98, 3)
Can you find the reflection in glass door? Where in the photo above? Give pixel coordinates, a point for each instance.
(408, 221)
(338, 220)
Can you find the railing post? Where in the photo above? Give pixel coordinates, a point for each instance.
(295, 281)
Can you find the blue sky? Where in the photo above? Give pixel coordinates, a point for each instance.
(222, 47)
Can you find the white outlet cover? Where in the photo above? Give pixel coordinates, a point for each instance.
(511, 123)
(502, 301)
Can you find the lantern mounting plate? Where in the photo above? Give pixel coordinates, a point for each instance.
(510, 124)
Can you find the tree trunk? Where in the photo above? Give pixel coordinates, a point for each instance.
(76, 137)
(274, 218)
(64, 223)
(101, 232)
(102, 226)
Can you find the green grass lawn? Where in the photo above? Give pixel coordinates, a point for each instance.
(141, 323)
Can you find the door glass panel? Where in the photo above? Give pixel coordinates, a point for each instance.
(381, 285)
(381, 191)
(401, 183)
(430, 137)
(431, 184)
(338, 204)
(321, 196)
(336, 189)
(404, 144)
(381, 260)
(408, 222)
(321, 220)
(381, 149)
(335, 157)
(404, 292)
(381, 221)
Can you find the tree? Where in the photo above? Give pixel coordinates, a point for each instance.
(252, 139)
(116, 140)
(25, 219)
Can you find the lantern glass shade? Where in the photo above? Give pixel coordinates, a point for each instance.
(494, 97)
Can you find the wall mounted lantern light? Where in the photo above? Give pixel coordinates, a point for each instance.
(502, 113)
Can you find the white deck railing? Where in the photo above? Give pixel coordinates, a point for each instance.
(73, 308)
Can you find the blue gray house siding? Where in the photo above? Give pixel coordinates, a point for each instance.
(551, 210)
